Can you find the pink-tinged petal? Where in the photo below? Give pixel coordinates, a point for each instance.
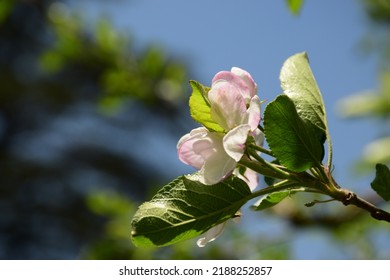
(185, 147)
(253, 112)
(251, 86)
(204, 150)
(240, 79)
(228, 107)
(234, 141)
(211, 234)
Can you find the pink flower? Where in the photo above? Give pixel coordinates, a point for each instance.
(236, 108)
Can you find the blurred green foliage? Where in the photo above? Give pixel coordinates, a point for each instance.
(121, 72)
(72, 99)
(378, 10)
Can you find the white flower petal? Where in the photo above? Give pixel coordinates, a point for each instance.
(253, 112)
(217, 168)
(234, 141)
(211, 235)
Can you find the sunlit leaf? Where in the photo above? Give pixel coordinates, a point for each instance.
(381, 183)
(298, 83)
(184, 209)
(290, 138)
(200, 108)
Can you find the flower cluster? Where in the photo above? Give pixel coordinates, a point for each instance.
(234, 106)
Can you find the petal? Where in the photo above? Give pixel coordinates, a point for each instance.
(211, 234)
(217, 168)
(228, 107)
(204, 150)
(186, 151)
(234, 141)
(250, 177)
(258, 135)
(253, 112)
(240, 79)
(248, 80)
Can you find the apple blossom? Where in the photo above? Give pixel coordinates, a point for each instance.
(235, 106)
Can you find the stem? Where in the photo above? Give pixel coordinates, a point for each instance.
(280, 186)
(319, 172)
(262, 150)
(330, 151)
(280, 172)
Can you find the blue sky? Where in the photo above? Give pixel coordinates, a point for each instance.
(259, 35)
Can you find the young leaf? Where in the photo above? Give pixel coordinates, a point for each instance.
(184, 209)
(200, 107)
(298, 83)
(381, 183)
(270, 200)
(290, 138)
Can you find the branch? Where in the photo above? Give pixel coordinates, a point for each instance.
(352, 199)
(298, 217)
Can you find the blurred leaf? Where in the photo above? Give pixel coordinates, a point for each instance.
(369, 103)
(295, 6)
(108, 40)
(298, 83)
(51, 61)
(377, 151)
(378, 10)
(381, 183)
(184, 209)
(108, 203)
(290, 138)
(5, 9)
(200, 108)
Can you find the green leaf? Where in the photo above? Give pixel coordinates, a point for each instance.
(298, 83)
(184, 209)
(270, 200)
(291, 139)
(295, 6)
(200, 107)
(381, 183)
